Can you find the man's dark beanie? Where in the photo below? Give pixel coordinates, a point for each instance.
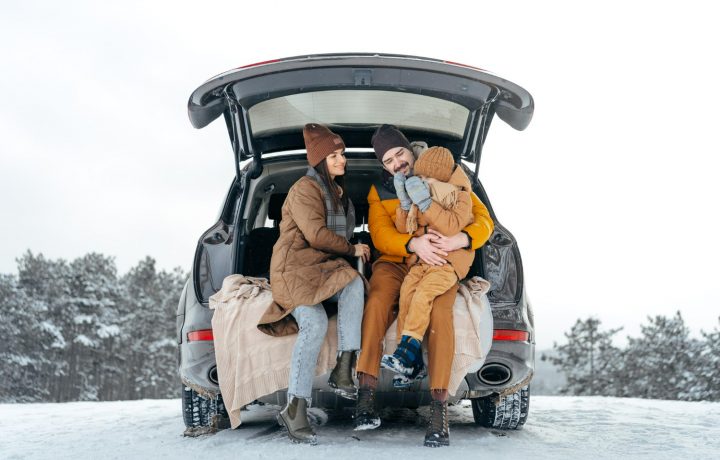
(388, 137)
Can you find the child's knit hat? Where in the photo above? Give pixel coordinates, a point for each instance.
(435, 162)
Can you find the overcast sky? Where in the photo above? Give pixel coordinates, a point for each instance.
(610, 191)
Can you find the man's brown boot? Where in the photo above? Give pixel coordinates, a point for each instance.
(341, 377)
(366, 416)
(438, 431)
(294, 418)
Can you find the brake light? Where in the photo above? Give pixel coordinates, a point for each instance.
(464, 65)
(202, 335)
(259, 63)
(512, 335)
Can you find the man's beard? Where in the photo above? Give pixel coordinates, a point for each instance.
(400, 168)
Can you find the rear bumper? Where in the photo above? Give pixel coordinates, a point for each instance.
(197, 359)
(198, 362)
(518, 357)
(197, 365)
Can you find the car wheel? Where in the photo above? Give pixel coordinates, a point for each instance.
(510, 412)
(203, 415)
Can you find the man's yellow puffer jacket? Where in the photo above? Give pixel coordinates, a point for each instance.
(392, 244)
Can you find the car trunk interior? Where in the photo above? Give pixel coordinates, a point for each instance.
(252, 234)
(268, 192)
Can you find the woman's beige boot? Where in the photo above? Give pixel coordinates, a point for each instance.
(341, 378)
(294, 418)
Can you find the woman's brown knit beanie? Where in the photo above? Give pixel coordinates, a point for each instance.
(320, 142)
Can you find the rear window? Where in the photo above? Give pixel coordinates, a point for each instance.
(357, 108)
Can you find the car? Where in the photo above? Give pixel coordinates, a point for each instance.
(265, 106)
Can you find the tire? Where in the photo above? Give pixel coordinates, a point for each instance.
(510, 413)
(203, 415)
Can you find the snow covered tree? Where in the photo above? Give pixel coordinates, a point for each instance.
(659, 364)
(45, 281)
(588, 359)
(89, 318)
(26, 340)
(96, 282)
(80, 299)
(76, 331)
(149, 316)
(705, 385)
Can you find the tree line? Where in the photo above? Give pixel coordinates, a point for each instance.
(78, 331)
(663, 363)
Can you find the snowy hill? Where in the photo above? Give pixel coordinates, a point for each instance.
(558, 427)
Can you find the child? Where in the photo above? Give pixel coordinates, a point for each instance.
(438, 197)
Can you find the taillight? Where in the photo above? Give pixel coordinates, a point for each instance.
(259, 63)
(464, 65)
(510, 334)
(197, 336)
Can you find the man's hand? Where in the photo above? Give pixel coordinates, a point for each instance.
(426, 251)
(449, 243)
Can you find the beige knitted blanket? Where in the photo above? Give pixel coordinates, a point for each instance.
(252, 364)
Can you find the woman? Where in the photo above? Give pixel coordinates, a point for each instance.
(308, 267)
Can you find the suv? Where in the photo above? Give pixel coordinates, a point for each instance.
(265, 107)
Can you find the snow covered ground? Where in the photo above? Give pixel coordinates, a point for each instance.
(558, 427)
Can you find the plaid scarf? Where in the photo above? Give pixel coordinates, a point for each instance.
(336, 219)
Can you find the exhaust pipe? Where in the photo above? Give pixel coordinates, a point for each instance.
(213, 375)
(494, 374)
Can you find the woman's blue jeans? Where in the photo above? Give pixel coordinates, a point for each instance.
(312, 321)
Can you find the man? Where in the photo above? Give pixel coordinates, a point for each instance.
(394, 152)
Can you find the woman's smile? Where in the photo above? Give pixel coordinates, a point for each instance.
(336, 163)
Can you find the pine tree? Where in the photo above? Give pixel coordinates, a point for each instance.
(76, 331)
(149, 312)
(659, 364)
(705, 385)
(45, 282)
(90, 321)
(26, 340)
(588, 359)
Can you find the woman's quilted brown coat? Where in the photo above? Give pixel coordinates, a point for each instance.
(307, 265)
